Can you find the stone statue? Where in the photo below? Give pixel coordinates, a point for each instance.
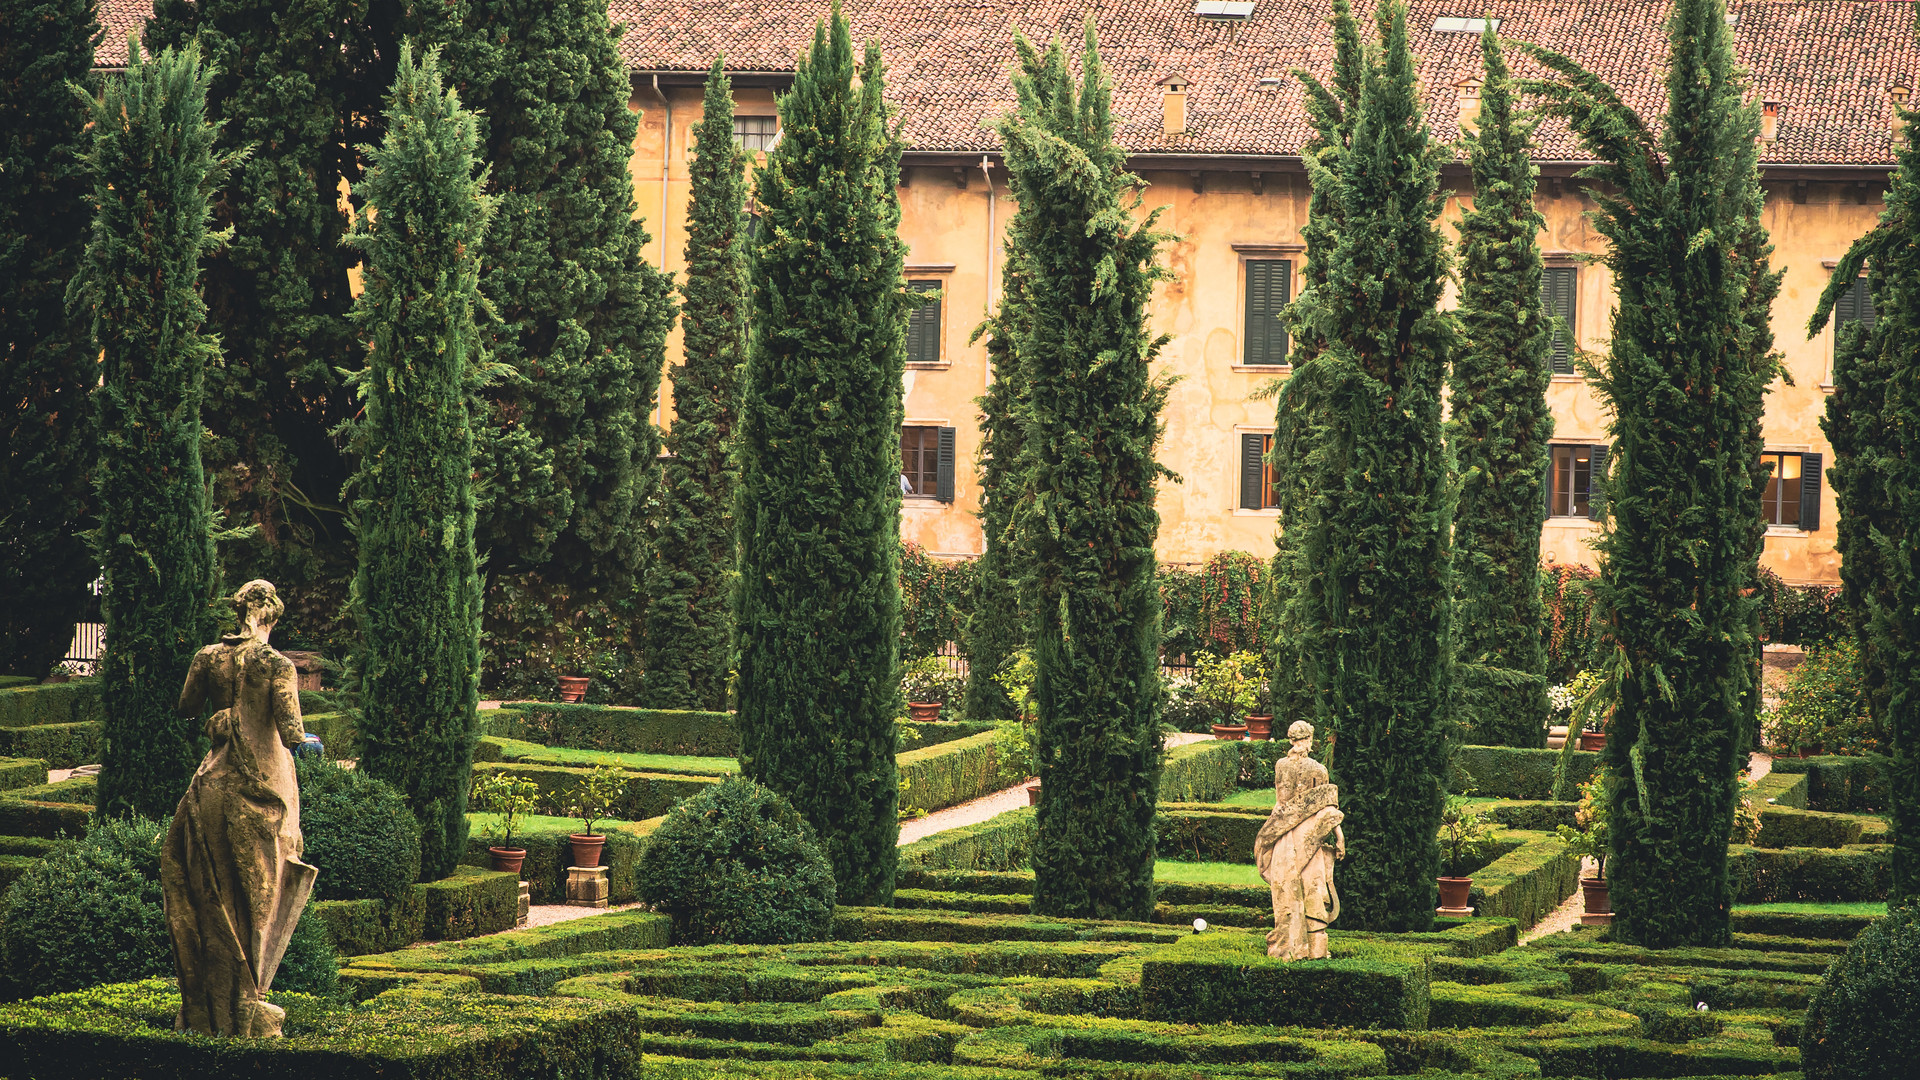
(231, 873)
(1296, 849)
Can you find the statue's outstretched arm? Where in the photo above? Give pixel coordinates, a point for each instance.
(193, 693)
(286, 703)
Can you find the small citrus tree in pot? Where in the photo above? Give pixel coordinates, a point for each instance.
(925, 684)
(1013, 750)
(507, 797)
(592, 801)
(1230, 686)
(1588, 839)
(1463, 838)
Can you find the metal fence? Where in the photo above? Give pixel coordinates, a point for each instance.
(89, 638)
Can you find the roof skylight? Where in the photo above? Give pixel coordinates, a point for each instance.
(1462, 26)
(1223, 9)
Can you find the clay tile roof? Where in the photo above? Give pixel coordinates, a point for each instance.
(1829, 62)
(118, 18)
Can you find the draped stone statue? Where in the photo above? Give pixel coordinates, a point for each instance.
(1296, 848)
(230, 873)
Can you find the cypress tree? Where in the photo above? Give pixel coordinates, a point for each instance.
(1373, 603)
(565, 447)
(1684, 380)
(417, 593)
(1876, 479)
(689, 624)
(1086, 524)
(1499, 428)
(817, 603)
(154, 171)
(46, 365)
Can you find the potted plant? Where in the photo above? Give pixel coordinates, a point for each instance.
(1260, 720)
(508, 797)
(599, 790)
(1463, 836)
(925, 687)
(1588, 838)
(64, 671)
(1227, 685)
(1013, 749)
(577, 656)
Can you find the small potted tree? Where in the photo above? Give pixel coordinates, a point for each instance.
(1227, 685)
(925, 686)
(508, 797)
(593, 800)
(1463, 837)
(1587, 838)
(1260, 720)
(1013, 750)
(577, 656)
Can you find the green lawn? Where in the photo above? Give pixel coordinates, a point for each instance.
(1250, 797)
(1208, 873)
(671, 763)
(1797, 907)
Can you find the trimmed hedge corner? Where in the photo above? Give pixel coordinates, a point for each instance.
(360, 927)
(1838, 784)
(950, 773)
(76, 702)
(1227, 977)
(19, 817)
(1004, 843)
(626, 731)
(61, 746)
(1785, 827)
(1200, 772)
(16, 773)
(1507, 772)
(469, 903)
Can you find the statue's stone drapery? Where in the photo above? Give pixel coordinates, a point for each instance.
(1293, 852)
(231, 873)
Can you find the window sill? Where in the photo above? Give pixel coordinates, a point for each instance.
(1576, 377)
(940, 365)
(1270, 369)
(1572, 521)
(923, 502)
(1826, 388)
(1787, 530)
(1269, 512)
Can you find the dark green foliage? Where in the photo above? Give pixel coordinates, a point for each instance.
(935, 598)
(310, 966)
(737, 864)
(689, 615)
(1499, 428)
(565, 451)
(817, 604)
(1684, 380)
(627, 731)
(89, 912)
(1507, 772)
(154, 173)
(50, 703)
(1086, 522)
(1864, 1021)
(1366, 554)
(1571, 632)
(358, 831)
(359, 927)
(1840, 784)
(1876, 480)
(469, 902)
(1226, 976)
(46, 364)
(417, 593)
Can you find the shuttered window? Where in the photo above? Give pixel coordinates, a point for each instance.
(1259, 483)
(1793, 490)
(923, 326)
(926, 462)
(1559, 292)
(1576, 475)
(1855, 306)
(1269, 287)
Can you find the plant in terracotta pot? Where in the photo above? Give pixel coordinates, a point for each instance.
(576, 656)
(1588, 838)
(507, 797)
(1013, 749)
(1260, 719)
(592, 801)
(924, 684)
(1463, 838)
(1229, 685)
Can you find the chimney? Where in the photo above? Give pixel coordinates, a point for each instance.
(1466, 94)
(1769, 122)
(1173, 101)
(1898, 95)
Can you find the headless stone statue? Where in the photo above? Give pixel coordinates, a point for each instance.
(231, 873)
(1295, 851)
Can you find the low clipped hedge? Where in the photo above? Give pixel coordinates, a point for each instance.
(8, 682)
(643, 795)
(1863, 1023)
(1535, 816)
(549, 853)
(919, 736)
(1201, 772)
(61, 746)
(950, 773)
(1210, 835)
(337, 731)
(1838, 784)
(19, 817)
(1527, 882)
(126, 1029)
(1785, 827)
(360, 927)
(1004, 843)
(76, 702)
(1767, 875)
(79, 790)
(1508, 772)
(1831, 926)
(1781, 789)
(16, 773)
(1227, 977)
(627, 731)
(468, 903)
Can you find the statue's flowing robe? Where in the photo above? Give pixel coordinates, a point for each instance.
(1292, 854)
(231, 874)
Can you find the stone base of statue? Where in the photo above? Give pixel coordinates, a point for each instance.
(587, 886)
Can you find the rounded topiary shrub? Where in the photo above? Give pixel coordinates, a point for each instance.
(88, 913)
(358, 832)
(736, 863)
(1863, 1022)
(310, 965)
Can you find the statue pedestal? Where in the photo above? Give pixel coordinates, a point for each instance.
(587, 886)
(526, 902)
(1456, 912)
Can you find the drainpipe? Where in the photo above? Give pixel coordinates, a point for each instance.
(666, 161)
(993, 233)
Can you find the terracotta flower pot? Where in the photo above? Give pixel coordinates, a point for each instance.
(1033, 793)
(1453, 893)
(508, 859)
(586, 849)
(1592, 740)
(573, 687)
(1599, 904)
(1814, 750)
(57, 678)
(923, 712)
(1259, 728)
(1230, 732)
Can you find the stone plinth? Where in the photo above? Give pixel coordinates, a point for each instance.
(526, 903)
(587, 886)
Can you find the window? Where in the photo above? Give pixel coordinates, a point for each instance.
(1854, 306)
(1559, 286)
(1793, 490)
(923, 326)
(926, 462)
(1259, 481)
(755, 132)
(1269, 287)
(1573, 484)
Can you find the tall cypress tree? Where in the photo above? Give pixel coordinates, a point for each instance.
(46, 365)
(689, 611)
(1684, 380)
(566, 450)
(1086, 525)
(1871, 422)
(1499, 428)
(1373, 609)
(154, 172)
(417, 593)
(817, 603)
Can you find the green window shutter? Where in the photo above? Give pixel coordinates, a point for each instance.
(1252, 449)
(1269, 285)
(1546, 486)
(923, 327)
(1810, 492)
(1597, 482)
(1559, 293)
(1854, 306)
(943, 476)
